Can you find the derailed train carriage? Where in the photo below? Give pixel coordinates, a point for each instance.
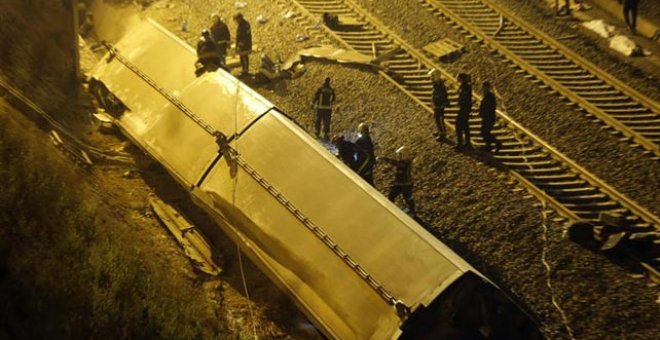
(289, 204)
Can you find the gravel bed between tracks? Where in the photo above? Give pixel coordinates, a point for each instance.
(463, 201)
(570, 131)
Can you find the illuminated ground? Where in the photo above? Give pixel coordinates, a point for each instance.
(464, 200)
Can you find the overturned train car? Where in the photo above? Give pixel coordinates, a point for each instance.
(289, 204)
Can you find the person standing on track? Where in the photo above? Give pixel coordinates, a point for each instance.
(243, 42)
(630, 14)
(366, 159)
(221, 36)
(487, 113)
(440, 102)
(324, 99)
(402, 184)
(464, 110)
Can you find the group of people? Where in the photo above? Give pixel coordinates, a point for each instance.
(360, 155)
(215, 42)
(440, 100)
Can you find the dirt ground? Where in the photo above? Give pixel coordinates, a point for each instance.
(570, 131)
(467, 201)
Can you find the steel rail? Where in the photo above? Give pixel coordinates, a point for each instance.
(564, 63)
(76, 142)
(569, 198)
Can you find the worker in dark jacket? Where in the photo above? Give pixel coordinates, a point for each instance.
(221, 36)
(208, 54)
(366, 159)
(487, 114)
(464, 110)
(402, 178)
(345, 151)
(324, 98)
(630, 14)
(440, 102)
(243, 42)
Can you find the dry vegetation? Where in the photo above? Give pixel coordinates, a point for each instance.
(37, 51)
(65, 269)
(114, 282)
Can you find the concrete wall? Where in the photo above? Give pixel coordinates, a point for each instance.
(37, 49)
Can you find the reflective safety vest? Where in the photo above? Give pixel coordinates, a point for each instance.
(207, 49)
(324, 97)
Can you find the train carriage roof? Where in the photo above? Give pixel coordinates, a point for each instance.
(409, 262)
(155, 121)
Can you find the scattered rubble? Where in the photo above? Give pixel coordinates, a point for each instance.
(300, 37)
(444, 49)
(618, 42)
(600, 27)
(288, 14)
(262, 19)
(104, 122)
(294, 68)
(627, 47)
(193, 242)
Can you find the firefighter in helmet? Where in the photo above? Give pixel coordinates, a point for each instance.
(323, 101)
(402, 184)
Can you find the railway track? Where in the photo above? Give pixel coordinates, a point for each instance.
(69, 140)
(598, 94)
(549, 175)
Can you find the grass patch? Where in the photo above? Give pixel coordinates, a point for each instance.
(70, 270)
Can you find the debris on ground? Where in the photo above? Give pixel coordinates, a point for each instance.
(618, 42)
(288, 14)
(444, 49)
(262, 19)
(627, 47)
(340, 55)
(72, 150)
(273, 71)
(240, 4)
(193, 242)
(293, 67)
(341, 22)
(574, 5)
(128, 174)
(600, 27)
(104, 122)
(300, 37)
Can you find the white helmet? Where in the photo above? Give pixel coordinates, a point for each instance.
(402, 153)
(435, 74)
(363, 128)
